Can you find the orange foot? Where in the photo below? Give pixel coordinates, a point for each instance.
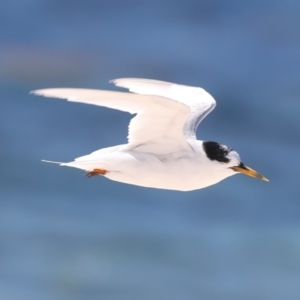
(95, 172)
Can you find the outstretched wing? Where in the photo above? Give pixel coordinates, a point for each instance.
(167, 113)
(157, 127)
(197, 99)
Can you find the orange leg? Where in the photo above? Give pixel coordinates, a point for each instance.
(95, 172)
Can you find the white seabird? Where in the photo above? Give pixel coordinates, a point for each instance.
(162, 150)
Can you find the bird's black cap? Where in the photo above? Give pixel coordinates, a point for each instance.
(216, 151)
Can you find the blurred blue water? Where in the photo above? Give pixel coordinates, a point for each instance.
(65, 237)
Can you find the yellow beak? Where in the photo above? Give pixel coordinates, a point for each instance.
(248, 171)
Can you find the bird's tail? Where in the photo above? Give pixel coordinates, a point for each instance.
(83, 165)
(52, 162)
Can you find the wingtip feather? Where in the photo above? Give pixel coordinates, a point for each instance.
(33, 92)
(41, 92)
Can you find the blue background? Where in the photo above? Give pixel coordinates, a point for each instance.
(63, 236)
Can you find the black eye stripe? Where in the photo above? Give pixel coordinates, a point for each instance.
(215, 151)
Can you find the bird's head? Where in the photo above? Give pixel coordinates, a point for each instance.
(228, 159)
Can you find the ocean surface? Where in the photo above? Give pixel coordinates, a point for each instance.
(63, 236)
